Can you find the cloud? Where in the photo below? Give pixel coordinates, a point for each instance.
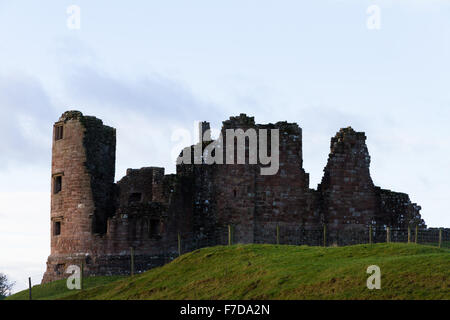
(25, 113)
(90, 85)
(151, 95)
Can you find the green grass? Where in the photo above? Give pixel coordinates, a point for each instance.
(288, 272)
(58, 289)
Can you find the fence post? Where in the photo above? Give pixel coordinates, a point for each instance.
(179, 244)
(440, 237)
(229, 235)
(132, 260)
(324, 235)
(370, 234)
(388, 234)
(29, 287)
(278, 234)
(417, 234)
(409, 234)
(81, 275)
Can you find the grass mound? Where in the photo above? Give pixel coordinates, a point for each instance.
(58, 289)
(408, 271)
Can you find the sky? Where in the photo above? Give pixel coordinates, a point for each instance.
(153, 68)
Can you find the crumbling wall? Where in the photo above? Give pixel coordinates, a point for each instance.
(100, 146)
(136, 187)
(236, 187)
(142, 219)
(347, 195)
(284, 200)
(396, 210)
(237, 195)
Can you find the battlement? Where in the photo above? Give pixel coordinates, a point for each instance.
(239, 121)
(347, 139)
(71, 115)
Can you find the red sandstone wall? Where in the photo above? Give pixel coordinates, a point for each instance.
(253, 204)
(347, 195)
(74, 205)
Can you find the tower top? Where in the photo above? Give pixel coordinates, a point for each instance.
(71, 115)
(239, 121)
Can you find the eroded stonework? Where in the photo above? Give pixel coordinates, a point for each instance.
(96, 221)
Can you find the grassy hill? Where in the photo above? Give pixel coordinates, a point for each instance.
(279, 272)
(58, 289)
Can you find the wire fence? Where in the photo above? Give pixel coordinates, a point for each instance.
(287, 235)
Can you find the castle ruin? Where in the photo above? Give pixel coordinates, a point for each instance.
(96, 221)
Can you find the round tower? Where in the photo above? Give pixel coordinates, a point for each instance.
(82, 190)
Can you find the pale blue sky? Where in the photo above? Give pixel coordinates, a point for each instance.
(151, 67)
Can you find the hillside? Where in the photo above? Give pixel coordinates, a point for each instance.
(58, 289)
(286, 272)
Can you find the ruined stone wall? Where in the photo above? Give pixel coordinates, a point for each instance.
(136, 187)
(236, 187)
(284, 200)
(347, 197)
(100, 147)
(149, 227)
(141, 219)
(253, 204)
(395, 209)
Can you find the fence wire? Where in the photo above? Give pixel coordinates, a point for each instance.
(287, 235)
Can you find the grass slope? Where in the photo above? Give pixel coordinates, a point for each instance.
(58, 289)
(289, 272)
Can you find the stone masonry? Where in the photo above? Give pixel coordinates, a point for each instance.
(96, 221)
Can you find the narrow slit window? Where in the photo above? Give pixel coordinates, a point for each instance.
(57, 184)
(59, 132)
(57, 228)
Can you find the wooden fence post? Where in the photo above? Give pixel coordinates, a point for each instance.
(81, 275)
(440, 237)
(370, 234)
(179, 244)
(278, 234)
(417, 234)
(409, 234)
(324, 235)
(388, 234)
(132, 260)
(29, 288)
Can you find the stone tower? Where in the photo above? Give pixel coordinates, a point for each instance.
(82, 195)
